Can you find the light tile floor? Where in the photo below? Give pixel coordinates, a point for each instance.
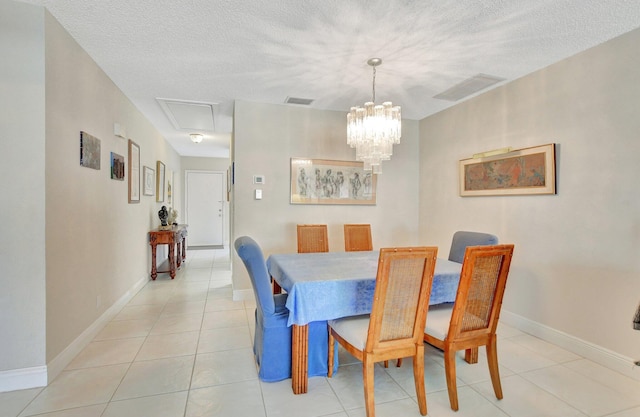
(182, 348)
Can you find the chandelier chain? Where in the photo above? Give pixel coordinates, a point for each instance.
(374, 84)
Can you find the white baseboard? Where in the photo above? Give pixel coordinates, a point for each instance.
(65, 357)
(243, 295)
(40, 376)
(24, 378)
(596, 353)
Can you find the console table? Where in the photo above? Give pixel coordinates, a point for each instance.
(176, 238)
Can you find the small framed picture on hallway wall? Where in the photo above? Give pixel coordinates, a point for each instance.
(160, 182)
(134, 172)
(148, 180)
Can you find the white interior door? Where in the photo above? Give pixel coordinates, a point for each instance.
(204, 194)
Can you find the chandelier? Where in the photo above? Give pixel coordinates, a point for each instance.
(374, 129)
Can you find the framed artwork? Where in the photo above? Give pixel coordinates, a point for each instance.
(134, 172)
(160, 182)
(149, 180)
(322, 181)
(89, 151)
(169, 189)
(520, 172)
(117, 167)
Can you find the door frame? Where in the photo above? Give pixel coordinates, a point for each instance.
(225, 202)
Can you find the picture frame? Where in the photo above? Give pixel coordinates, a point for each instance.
(228, 183)
(117, 167)
(134, 172)
(89, 151)
(323, 181)
(149, 180)
(169, 188)
(160, 182)
(520, 172)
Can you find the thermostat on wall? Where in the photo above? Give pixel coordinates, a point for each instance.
(258, 179)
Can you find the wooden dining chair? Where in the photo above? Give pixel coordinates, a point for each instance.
(395, 327)
(312, 238)
(473, 318)
(357, 237)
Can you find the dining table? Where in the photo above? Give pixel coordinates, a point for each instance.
(330, 285)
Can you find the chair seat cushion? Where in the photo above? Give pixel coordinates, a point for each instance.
(352, 329)
(438, 320)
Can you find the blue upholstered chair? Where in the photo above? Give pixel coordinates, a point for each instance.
(272, 340)
(463, 239)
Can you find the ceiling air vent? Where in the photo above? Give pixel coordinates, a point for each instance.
(189, 115)
(300, 101)
(468, 87)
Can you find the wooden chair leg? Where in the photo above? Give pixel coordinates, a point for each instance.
(492, 359)
(398, 363)
(368, 370)
(471, 355)
(418, 376)
(331, 353)
(450, 372)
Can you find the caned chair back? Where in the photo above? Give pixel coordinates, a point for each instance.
(401, 297)
(312, 238)
(462, 239)
(357, 237)
(480, 292)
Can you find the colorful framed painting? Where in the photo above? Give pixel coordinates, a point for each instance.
(117, 167)
(322, 181)
(134, 172)
(520, 172)
(149, 180)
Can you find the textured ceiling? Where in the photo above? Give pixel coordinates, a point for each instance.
(265, 50)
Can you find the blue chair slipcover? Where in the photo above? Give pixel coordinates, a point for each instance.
(272, 340)
(462, 239)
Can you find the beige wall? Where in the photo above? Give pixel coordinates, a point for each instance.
(576, 265)
(72, 245)
(267, 136)
(97, 243)
(22, 186)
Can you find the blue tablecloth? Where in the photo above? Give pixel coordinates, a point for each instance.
(325, 286)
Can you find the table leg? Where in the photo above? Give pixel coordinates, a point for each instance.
(172, 261)
(299, 358)
(277, 289)
(471, 355)
(154, 269)
(184, 248)
(178, 255)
